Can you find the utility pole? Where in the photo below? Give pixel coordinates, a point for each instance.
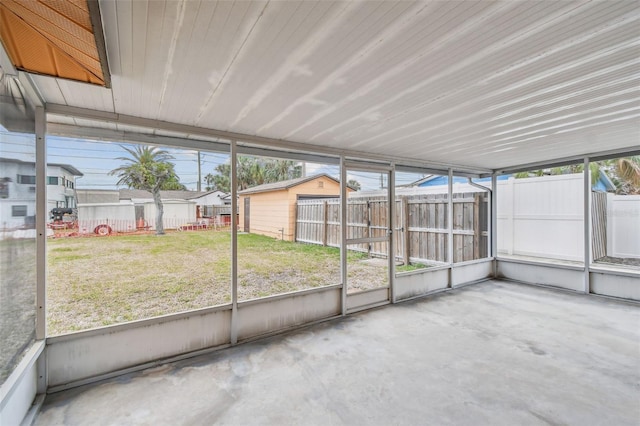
(199, 174)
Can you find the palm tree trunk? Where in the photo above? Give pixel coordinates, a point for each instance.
(159, 212)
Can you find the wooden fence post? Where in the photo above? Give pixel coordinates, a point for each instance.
(295, 221)
(325, 222)
(368, 222)
(477, 232)
(405, 230)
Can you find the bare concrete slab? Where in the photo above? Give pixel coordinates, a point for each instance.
(495, 353)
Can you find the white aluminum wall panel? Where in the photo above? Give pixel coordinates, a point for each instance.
(550, 275)
(83, 355)
(270, 315)
(419, 283)
(463, 274)
(614, 285)
(367, 298)
(18, 391)
(15, 407)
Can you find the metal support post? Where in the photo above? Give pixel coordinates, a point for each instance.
(234, 244)
(494, 223)
(343, 234)
(450, 227)
(391, 227)
(41, 241)
(587, 225)
(41, 222)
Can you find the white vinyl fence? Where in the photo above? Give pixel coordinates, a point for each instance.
(543, 217)
(623, 226)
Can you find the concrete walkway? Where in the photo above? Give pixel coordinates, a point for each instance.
(495, 353)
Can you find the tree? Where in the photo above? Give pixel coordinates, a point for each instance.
(354, 184)
(221, 180)
(251, 172)
(149, 169)
(624, 173)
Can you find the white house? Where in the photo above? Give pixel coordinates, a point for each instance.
(18, 190)
(130, 209)
(61, 184)
(207, 202)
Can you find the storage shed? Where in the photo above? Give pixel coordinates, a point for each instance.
(270, 209)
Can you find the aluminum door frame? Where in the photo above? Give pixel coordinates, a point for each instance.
(382, 295)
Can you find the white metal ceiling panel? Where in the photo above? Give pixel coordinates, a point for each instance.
(486, 84)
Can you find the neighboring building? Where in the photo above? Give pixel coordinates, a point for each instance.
(438, 180)
(18, 191)
(128, 209)
(61, 186)
(603, 184)
(91, 196)
(270, 209)
(209, 204)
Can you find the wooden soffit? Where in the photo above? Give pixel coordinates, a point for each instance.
(59, 38)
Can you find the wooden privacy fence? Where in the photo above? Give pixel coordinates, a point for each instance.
(421, 225)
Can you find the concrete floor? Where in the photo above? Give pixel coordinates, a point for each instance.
(495, 353)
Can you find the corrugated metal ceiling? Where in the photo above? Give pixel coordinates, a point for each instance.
(486, 84)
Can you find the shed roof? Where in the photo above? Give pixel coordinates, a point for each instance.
(285, 184)
(91, 196)
(128, 194)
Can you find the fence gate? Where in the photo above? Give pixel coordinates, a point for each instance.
(368, 263)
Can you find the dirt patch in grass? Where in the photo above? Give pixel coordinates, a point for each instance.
(98, 281)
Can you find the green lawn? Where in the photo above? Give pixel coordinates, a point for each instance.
(98, 281)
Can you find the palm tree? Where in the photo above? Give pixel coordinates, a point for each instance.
(628, 172)
(149, 169)
(280, 170)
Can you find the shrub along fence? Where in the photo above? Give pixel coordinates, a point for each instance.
(421, 225)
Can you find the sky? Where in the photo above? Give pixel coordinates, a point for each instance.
(95, 159)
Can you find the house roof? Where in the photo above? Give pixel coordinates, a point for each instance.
(90, 196)
(111, 195)
(604, 183)
(128, 194)
(421, 180)
(285, 184)
(67, 167)
(221, 194)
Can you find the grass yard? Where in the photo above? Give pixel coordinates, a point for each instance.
(98, 281)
